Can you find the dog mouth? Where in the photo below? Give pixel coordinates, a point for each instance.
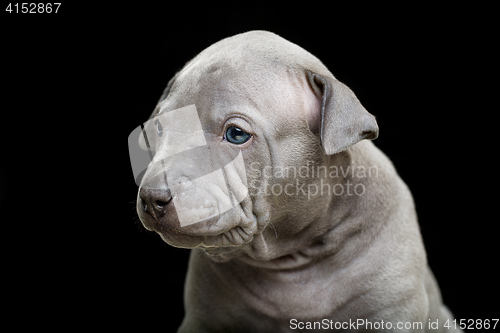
(212, 234)
(235, 236)
(222, 243)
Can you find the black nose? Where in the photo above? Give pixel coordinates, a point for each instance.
(155, 200)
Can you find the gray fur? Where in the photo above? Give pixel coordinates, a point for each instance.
(305, 256)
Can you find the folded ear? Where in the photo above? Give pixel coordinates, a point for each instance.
(344, 121)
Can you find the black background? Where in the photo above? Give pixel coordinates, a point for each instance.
(74, 84)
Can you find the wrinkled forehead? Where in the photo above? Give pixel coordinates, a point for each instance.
(252, 92)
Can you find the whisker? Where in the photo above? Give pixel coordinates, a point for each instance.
(275, 232)
(200, 255)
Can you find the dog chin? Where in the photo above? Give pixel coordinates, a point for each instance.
(225, 242)
(228, 230)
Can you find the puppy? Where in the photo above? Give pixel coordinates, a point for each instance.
(260, 162)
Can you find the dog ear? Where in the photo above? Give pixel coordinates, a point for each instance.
(344, 121)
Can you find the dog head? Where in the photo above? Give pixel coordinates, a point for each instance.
(243, 108)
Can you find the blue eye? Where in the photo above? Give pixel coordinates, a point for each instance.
(236, 135)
